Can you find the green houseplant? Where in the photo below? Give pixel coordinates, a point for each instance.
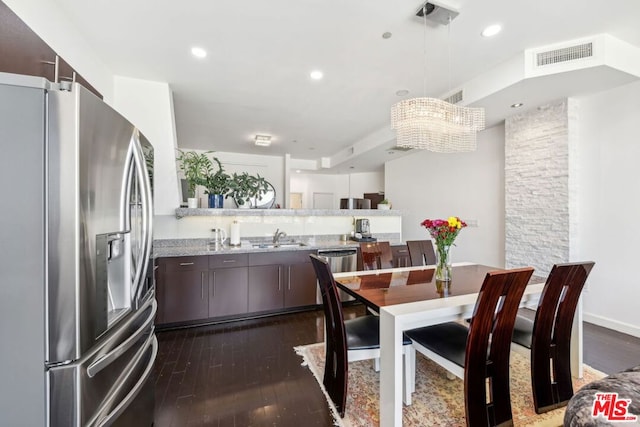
(384, 204)
(195, 167)
(245, 187)
(217, 183)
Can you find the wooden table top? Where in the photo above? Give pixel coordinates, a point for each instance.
(405, 285)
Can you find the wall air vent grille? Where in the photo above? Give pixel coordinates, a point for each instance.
(565, 54)
(454, 98)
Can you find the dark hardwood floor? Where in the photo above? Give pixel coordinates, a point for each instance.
(246, 373)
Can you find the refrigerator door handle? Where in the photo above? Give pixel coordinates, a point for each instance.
(108, 358)
(124, 404)
(145, 191)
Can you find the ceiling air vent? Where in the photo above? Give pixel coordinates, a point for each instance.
(564, 54)
(454, 98)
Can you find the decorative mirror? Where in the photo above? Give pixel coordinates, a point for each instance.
(267, 200)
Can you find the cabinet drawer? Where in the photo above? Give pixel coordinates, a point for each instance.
(228, 260)
(267, 258)
(184, 263)
(298, 257)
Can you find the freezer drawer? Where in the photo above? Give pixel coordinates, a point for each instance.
(99, 389)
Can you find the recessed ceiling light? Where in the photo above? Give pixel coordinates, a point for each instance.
(198, 52)
(402, 92)
(316, 75)
(297, 170)
(517, 105)
(491, 30)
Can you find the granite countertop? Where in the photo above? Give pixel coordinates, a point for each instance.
(195, 247)
(182, 212)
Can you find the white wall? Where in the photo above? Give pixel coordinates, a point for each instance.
(366, 182)
(341, 186)
(150, 106)
(469, 185)
(609, 206)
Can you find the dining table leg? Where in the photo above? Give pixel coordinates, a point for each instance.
(390, 369)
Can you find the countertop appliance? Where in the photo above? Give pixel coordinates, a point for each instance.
(77, 283)
(363, 231)
(340, 260)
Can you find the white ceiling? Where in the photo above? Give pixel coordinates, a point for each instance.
(255, 79)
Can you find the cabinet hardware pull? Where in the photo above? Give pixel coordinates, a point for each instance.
(403, 251)
(202, 285)
(289, 279)
(213, 288)
(186, 263)
(279, 278)
(228, 260)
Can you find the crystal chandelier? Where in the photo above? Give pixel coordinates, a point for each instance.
(434, 124)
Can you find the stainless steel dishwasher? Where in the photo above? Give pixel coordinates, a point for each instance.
(340, 260)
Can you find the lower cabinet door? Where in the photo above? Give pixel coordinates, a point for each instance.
(265, 288)
(185, 296)
(228, 291)
(300, 289)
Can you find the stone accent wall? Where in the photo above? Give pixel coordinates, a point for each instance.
(537, 187)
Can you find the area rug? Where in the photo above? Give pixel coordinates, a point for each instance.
(437, 401)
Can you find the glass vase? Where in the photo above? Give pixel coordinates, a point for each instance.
(216, 201)
(443, 264)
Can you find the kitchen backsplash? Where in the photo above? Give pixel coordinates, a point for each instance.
(193, 227)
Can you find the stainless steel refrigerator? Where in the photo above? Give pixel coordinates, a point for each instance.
(77, 299)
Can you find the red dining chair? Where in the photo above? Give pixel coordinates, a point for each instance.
(549, 335)
(479, 354)
(421, 252)
(351, 340)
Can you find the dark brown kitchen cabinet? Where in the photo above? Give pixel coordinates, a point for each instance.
(228, 285)
(183, 289)
(400, 255)
(24, 52)
(301, 285)
(265, 288)
(280, 280)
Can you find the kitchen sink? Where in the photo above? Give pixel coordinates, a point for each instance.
(279, 245)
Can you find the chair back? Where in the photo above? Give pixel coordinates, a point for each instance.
(421, 252)
(336, 357)
(376, 255)
(551, 340)
(489, 345)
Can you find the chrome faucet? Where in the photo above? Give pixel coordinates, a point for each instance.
(278, 234)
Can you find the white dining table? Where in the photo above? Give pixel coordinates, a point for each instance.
(400, 315)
